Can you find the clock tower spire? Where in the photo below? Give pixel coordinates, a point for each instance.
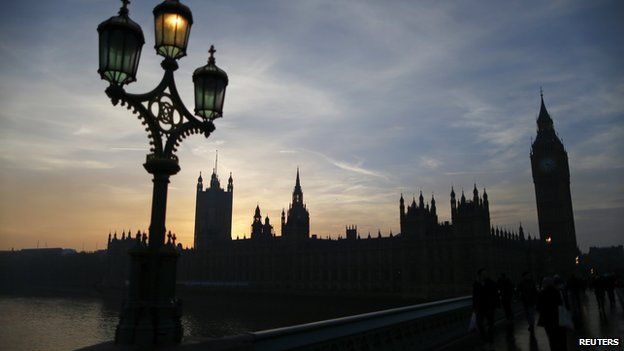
(551, 177)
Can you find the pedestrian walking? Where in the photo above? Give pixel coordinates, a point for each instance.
(599, 286)
(548, 302)
(506, 292)
(528, 297)
(609, 283)
(484, 303)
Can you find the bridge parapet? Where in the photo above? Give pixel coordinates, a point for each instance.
(418, 327)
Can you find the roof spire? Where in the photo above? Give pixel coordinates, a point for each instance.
(297, 182)
(543, 120)
(214, 170)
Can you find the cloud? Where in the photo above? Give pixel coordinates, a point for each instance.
(351, 167)
(369, 99)
(430, 163)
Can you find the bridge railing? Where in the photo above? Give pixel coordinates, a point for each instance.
(418, 327)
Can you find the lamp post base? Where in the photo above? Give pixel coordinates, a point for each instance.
(151, 316)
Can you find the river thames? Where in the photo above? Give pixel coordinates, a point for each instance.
(66, 322)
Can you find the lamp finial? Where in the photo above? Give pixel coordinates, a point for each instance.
(123, 11)
(211, 51)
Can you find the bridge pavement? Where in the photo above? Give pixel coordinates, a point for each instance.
(516, 337)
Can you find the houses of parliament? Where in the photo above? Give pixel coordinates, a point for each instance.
(427, 259)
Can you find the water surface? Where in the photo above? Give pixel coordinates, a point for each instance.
(67, 322)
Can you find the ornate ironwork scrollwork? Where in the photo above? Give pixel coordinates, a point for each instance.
(167, 121)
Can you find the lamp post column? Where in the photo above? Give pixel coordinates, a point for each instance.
(161, 169)
(151, 315)
(159, 210)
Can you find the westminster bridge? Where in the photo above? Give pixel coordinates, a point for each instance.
(440, 325)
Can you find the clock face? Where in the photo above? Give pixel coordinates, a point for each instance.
(547, 165)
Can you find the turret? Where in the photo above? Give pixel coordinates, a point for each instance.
(521, 232)
(267, 230)
(421, 201)
(453, 204)
(463, 198)
(475, 195)
(351, 232)
(485, 199)
(283, 217)
(214, 181)
(433, 205)
(256, 226)
(230, 186)
(402, 205)
(200, 183)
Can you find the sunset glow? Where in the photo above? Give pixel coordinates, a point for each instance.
(369, 100)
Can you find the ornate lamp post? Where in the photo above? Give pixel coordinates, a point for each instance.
(151, 314)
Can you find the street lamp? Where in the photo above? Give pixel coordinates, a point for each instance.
(121, 40)
(172, 24)
(210, 82)
(151, 314)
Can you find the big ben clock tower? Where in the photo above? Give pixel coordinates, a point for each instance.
(551, 176)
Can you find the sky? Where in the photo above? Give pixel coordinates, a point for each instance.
(370, 99)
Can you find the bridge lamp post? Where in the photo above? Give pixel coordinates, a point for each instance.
(151, 314)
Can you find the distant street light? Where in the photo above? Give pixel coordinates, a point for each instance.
(550, 268)
(151, 315)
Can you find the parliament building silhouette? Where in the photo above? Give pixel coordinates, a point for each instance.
(427, 259)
